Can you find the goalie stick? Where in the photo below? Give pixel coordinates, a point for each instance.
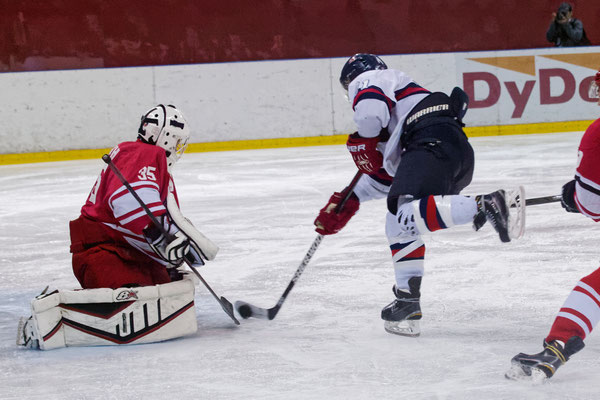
(225, 304)
(247, 310)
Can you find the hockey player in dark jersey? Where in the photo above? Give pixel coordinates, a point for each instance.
(581, 311)
(411, 148)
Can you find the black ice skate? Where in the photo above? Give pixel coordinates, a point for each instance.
(493, 207)
(403, 314)
(541, 366)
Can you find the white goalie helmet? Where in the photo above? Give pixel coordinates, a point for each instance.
(165, 126)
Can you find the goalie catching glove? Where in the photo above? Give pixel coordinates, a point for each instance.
(364, 153)
(172, 248)
(330, 220)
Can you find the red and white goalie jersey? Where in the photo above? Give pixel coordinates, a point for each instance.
(112, 212)
(587, 188)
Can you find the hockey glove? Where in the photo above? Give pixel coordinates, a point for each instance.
(329, 222)
(171, 249)
(364, 153)
(568, 197)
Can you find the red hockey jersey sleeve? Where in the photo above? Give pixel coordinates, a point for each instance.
(587, 188)
(144, 166)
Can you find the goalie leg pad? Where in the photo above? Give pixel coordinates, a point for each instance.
(99, 317)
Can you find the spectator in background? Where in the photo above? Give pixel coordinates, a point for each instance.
(566, 31)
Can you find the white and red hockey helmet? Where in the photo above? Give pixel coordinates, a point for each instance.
(165, 126)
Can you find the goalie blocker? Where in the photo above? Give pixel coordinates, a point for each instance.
(100, 317)
(202, 248)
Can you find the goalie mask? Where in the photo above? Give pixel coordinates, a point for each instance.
(165, 126)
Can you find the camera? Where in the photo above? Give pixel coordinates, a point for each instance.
(561, 14)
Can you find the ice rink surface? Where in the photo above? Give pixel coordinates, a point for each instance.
(483, 301)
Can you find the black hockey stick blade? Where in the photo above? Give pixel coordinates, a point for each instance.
(225, 304)
(228, 308)
(247, 310)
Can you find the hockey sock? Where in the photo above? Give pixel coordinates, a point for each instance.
(581, 311)
(408, 258)
(413, 218)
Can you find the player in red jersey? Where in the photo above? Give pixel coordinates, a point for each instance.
(132, 290)
(114, 243)
(581, 311)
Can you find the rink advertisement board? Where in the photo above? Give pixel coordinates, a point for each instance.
(283, 103)
(528, 86)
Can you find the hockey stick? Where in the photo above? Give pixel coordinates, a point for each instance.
(517, 202)
(542, 200)
(247, 310)
(225, 304)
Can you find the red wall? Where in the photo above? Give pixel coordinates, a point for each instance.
(66, 34)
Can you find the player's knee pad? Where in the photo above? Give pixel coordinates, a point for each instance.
(97, 317)
(420, 216)
(432, 213)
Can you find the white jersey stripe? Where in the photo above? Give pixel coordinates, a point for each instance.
(407, 250)
(588, 203)
(125, 204)
(141, 214)
(589, 289)
(133, 185)
(585, 305)
(575, 319)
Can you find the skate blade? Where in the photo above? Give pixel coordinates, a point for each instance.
(410, 328)
(518, 372)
